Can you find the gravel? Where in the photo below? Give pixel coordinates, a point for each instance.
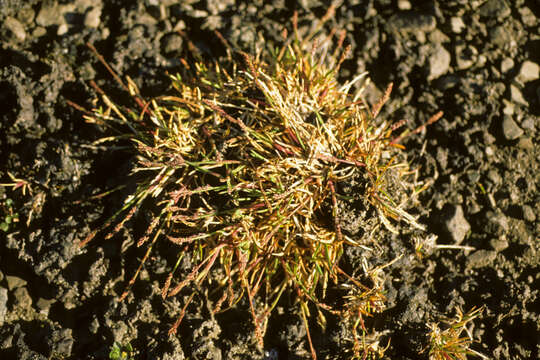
(511, 130)
(439, 62)
(481, 258)
(529, 71)
(455, 224)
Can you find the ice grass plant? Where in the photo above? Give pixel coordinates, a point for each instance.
(245, 163)
(449, 343)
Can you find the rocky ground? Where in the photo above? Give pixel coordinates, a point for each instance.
(476, 60)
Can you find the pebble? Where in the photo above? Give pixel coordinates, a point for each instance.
(495, 9)
(438, 37)
(500, 36)
(511, 130)
(39, 32)
(528, 123)
(22, 298)
(465, 56)
(447, 82)
(528, 213)
(62, 342)
(26, 15)
(525, 144)
(498, 221)
(15, 28)
(44, 305)
(14, 282)
(62, 29)
(509, 107)
(516, 95)
(481, 258)
(506, 65)
(494, 177)
(171, 43)
(92, 18)
(439, 62)
(527, 17)
(455, 223)
(481, 62)
(457, 25)
(404, 5)
(413, 22)
(3, 304)
(49, 15)
(529, 71)
(499, 244)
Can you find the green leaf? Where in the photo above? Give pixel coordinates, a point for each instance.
(115, 353)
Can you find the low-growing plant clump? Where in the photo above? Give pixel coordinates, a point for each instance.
(449, 342)
(246, 162)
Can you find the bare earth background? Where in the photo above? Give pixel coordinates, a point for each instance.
(476, 60)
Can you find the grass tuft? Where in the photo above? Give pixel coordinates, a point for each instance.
(450, 344)
(245, 162)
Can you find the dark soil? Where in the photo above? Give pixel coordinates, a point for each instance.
(478, 61)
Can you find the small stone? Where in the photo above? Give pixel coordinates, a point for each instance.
(499, 244)
(62, 342)
(22, 298)
(14, 282)
(457, 25)
(439, 62)
(481, 258)
(482, 60)
(509, 107)
(438, 37)
(528, 213)
(410, 21)
(26, 15)
(528, 123)
(494, 177)
(525, 144)
(495, 9)
(455, 223)
(527, 16)
(62, 29)
(7, 342)
(511, 130)
(39, 32)
(465, 56)
(15, 29)
(196, 13)
(529, 71)
(3, 304)
(517, 96)
(497, 222)
(44, 305)
(92, 18)
(171, 43)
(49, 15)
(506, 65)
(500, 36)
(404, 5)
(447, 82)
